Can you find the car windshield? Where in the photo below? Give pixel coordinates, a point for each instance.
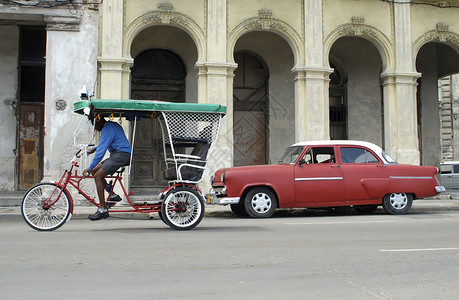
(290, 155)
(389, 159)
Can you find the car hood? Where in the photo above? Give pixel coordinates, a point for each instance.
(247, 170)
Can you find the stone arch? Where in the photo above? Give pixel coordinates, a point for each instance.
(158, 17)
(440, 35)
(373, 35)
(272, 25)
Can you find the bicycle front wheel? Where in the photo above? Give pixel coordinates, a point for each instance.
(37, 211)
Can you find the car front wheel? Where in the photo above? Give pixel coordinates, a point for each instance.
(260, 203)
(397, 203)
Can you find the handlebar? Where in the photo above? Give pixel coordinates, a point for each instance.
(83, 148)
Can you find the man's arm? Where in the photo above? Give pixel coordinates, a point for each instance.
(106, 138)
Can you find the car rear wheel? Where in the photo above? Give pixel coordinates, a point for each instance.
(260, 203)
(397, 203)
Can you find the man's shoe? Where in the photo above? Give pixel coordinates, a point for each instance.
(98, 216)
(113, 200)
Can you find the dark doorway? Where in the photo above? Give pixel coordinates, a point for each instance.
(30, 112)
(434, 61)
(250, 100)
(157, 74)
(338, 111)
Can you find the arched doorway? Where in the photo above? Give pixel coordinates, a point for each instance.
(434, 61)
(355, 89)
(157, 74)
(250, 103)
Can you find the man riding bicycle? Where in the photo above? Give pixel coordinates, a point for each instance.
(113, 139)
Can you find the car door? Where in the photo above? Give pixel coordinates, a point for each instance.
(318, 178)
(365, 175)
(455, 175)
(446, 176)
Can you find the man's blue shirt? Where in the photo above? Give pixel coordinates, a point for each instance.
(112, 137)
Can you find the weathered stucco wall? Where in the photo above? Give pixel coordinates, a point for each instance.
(8, 86)
(71, 63)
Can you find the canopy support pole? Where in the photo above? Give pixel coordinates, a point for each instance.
(132, 147)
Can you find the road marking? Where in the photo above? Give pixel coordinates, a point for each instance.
(418, 249)
(344, 222)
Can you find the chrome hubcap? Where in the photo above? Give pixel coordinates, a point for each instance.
(261, 202)
(398, 200)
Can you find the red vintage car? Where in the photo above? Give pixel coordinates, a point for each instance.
(324, 174)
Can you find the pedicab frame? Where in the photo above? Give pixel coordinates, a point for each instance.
(184, 127)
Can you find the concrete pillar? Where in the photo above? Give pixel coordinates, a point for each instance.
(311, 81)
(400, 119)
(312, 121)
(215, 80)
(114, 68)
(71, 50)
(399, 89)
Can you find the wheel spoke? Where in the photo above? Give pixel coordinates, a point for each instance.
(183, 209)
(37, 212)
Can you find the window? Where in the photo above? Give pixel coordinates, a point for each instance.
(290, 155)
(456, 169)
(319, 155)
(32, 64)
(446, 169)
(352, 155)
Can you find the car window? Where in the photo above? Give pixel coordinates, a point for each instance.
(320, 155)
(290, 155)
(354, 155)
(455, 168)
(446, 169)
(389, 159)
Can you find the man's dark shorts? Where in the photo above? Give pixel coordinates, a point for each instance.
(116, 160)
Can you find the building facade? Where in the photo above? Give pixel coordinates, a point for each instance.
(288, 71)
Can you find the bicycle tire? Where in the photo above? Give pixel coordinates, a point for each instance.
(45, 219)
(183, 208)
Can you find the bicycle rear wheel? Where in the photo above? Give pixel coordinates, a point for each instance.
(38, 215)
(183, 208)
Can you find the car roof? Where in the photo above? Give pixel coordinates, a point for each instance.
(369, 145)
(452, 162)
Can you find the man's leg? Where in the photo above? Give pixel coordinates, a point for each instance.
(101, 183)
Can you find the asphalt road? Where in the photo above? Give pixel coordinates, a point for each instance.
(295, 255)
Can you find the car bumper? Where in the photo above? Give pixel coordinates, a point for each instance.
(440, 189)
(215, 197)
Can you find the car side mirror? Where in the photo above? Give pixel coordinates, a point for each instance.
(301, 162)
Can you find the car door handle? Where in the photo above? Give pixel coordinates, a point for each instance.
(335, 166)
(381, 166)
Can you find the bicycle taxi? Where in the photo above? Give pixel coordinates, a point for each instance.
(189, 131)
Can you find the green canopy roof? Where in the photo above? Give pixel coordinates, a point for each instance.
(143, 108)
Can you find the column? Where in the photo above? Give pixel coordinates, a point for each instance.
(311, 81)
(114, 68)
(312, 104)
(400, 119)
(399, 90)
